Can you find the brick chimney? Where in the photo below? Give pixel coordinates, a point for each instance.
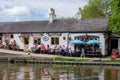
(52, 15)
(79, 15)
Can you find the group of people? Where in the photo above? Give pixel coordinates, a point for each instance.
(10, 45)
(58, 49)
(65, 51)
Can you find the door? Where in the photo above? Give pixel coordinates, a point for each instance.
(26, 43)
(114, 44)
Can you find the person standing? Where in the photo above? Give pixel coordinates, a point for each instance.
(83, 52)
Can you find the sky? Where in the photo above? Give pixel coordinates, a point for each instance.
(29, 10)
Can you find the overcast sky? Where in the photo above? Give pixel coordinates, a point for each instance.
(24, 10)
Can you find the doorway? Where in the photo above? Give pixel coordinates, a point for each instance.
(114, 44)
(26, 43)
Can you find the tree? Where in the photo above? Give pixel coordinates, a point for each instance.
(114, 19)
(97, 9)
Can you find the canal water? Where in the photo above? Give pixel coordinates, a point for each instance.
(30, 71)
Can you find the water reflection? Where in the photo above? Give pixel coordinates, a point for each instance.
(57, 72)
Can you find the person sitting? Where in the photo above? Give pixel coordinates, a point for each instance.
(63, 50)
(48, 49)
(60, 50)
(34, 48)
(52, 51)
(67, 51)
(14, 45)
(56, 48)
(43, 48)
(6, 44)
(10, 45)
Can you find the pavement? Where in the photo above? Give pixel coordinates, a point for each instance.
(13, 53)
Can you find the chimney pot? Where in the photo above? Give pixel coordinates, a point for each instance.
(52, 15)
(79, 15)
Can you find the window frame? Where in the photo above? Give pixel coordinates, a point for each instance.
(37, 38)
(55, 42)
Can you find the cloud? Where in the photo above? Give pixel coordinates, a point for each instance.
(2, 6)
(16, 12)
(20, 8)
(64, 8)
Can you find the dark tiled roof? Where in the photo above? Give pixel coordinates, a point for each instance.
(114, 36)
(68, 25)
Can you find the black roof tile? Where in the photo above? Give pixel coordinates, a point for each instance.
(68, 25)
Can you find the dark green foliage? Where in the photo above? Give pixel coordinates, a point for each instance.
(24, 61)
(114, 20)
(97, 9)
(104, 9)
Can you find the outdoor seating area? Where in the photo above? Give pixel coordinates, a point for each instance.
(81, 49)
(10, 45)
(57, 50)
(91, 48)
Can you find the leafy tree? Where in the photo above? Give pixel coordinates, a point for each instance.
(114, 20)
(97, 9)
(104, 9)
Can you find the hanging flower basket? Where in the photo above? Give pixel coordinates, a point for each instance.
(69, 38)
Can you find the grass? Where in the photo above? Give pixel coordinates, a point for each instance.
(70, 59)
(80, 59)
(110, 60)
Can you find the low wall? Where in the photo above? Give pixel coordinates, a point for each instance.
(51, 61)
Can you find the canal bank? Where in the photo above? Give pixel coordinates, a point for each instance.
(19, 56)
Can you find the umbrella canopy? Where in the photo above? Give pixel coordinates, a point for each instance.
(93, 42)
(77, 42)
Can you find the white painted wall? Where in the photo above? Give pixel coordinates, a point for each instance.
(102, 45)
(45, 42)
(31, 42)
(72, 35)
(18, 41)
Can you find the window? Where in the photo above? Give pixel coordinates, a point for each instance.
(54, 40)
(11, 36)
(37, 40)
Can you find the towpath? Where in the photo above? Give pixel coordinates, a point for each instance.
(11, 53)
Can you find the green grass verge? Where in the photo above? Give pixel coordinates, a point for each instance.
(110, 60)
(70, 59)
